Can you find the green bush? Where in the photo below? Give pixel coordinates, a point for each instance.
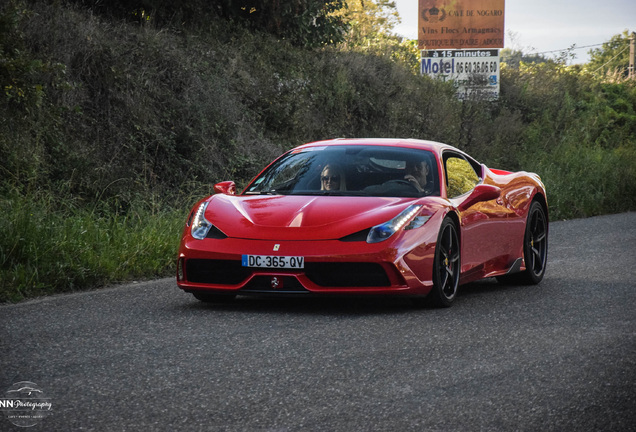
(585, 179)
(49, 246)
(578, 134)
(111, 128)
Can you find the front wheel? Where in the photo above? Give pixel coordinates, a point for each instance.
(446, 266)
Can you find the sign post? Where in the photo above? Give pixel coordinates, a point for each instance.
(475, 73)
(632, 56)
(458, 40)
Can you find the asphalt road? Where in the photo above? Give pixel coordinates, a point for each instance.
(560, 356)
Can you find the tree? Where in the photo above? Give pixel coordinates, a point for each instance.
(306, 23)
(513, 58)
(186, 13)
(371, 25)
(612, 58)
(370, 22)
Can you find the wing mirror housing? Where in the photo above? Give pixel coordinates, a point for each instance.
(481, 193)
(226, 187)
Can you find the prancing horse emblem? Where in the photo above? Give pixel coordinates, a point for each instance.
(275, 282)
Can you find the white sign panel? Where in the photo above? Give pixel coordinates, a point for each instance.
(475, 73)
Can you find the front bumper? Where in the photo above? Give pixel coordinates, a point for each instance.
(331, 267)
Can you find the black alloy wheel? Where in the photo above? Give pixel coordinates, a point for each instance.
(535, 249)
(535, 245)
(446, 267)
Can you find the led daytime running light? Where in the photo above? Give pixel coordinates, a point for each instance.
(200, 225)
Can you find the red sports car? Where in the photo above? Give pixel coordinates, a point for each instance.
(366, 216)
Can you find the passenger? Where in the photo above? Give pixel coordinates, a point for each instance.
(332, 178)
(417, 176)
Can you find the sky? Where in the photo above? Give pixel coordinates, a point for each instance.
(539, 26)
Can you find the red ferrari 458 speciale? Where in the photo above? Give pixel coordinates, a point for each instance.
(366, 216)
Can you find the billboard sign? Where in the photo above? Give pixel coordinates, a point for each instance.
(475, 73)
(461, 24)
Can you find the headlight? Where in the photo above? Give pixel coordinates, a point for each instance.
(383, 231)
(200, 225)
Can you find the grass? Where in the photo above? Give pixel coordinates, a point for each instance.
(47, 246)
(585, 181)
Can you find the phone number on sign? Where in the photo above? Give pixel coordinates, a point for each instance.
(477, 67)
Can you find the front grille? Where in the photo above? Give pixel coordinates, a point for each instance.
(326, 274)
(218, 272)
(347, 274)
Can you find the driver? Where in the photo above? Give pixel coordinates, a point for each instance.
(332, 178)
(417, 175)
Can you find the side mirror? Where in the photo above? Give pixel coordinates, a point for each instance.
(481, 193)
(226, 187)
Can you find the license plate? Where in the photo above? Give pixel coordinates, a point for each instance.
(268, 261)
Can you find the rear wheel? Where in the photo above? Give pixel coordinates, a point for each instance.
(446, 266)
(535, 248)
(535, 245)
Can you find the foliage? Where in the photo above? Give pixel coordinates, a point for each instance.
(27, 115)
(461, 177)
(612, 58)
(371, 25)
(370, 22)
(514, 58)
(110, 130)
(181, 15)
(578, 134)
(306, 23)
(47, 248)
(585, 180)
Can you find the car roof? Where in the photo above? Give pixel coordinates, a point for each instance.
(433, 146)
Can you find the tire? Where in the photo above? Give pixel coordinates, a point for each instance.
(213, 297)
(535, 245)
(535, 248)
(446, 267)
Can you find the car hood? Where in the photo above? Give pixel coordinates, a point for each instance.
(286, 217)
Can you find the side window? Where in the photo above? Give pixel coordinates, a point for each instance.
(460, 176)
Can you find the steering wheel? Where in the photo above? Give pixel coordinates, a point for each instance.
(401, 182)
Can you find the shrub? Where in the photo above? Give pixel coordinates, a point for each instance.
(110, 130)
(46, 248)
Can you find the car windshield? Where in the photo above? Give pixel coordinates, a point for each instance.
(351, 171)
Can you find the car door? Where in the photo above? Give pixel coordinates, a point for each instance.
(481, 235)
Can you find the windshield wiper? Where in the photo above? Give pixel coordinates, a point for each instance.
(330, 193)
